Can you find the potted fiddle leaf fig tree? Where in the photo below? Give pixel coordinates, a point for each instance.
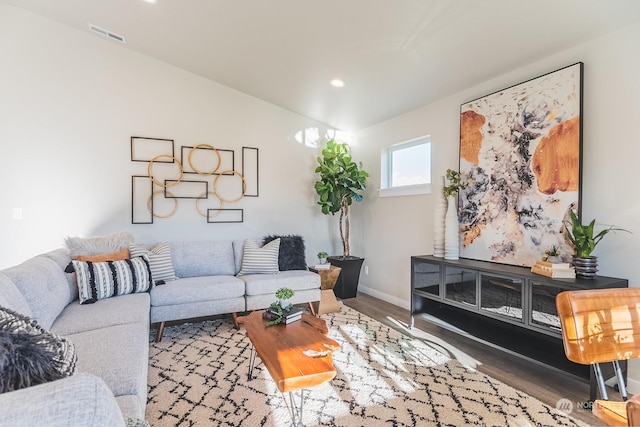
(341, 182)
(583, 239)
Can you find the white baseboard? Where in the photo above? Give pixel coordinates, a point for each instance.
(385, 297)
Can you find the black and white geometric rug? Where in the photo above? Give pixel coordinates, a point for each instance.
(198, 377)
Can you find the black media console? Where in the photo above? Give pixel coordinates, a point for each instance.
(507, 306)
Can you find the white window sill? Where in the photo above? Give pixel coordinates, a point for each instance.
(407, 190)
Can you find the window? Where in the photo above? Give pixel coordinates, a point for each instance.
(406, 168)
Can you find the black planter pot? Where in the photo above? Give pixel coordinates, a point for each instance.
(586, 267)
(347, 283)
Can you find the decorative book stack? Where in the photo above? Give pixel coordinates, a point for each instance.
(288, 316)
(325, 266)
(560, 270)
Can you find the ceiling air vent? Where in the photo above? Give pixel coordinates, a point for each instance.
(106, 33)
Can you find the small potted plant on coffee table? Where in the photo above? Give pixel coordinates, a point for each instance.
(284, 295)
(277, 309)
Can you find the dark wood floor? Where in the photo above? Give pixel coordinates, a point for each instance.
(543, 383)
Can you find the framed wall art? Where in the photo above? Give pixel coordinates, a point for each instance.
(520, 161)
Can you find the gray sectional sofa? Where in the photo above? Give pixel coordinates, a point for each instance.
(111, 335)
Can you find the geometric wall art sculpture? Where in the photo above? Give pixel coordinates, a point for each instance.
(250, 171)
(201, 175)
(520, 161)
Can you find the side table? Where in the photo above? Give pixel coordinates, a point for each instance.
(328, 301)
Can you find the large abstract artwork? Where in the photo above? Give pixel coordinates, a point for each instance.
(520, 160)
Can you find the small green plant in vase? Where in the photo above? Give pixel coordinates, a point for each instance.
(284, 295)
(279, 307)
(455, 183)
(583, 239)
(552, 255)
(322, 257)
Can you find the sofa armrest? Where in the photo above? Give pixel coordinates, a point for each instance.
(79, 400)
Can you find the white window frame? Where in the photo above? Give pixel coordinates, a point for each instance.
(386, 170)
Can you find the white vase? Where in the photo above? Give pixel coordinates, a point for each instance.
(451, 230)
(438, 223)
(285, 303)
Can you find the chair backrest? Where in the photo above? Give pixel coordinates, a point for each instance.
(600, 325)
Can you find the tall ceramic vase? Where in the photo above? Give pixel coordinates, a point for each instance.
(438, 224)
(451, 230)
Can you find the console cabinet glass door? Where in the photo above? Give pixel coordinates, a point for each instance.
(543, 307)
(502, 296)
(460, 285)
(426, 277)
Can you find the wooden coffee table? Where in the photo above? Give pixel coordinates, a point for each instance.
(298, 355)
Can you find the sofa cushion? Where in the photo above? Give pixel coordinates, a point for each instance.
(99, 280)
(79, 400)
(260, 260)
(30, 355)
(98, 245)
(117, 354)
(292, 252)
(10, 296)
(44, 286)
(76, 317)
(195, 259)
(260, 284)
(159, 260)
(195, 289)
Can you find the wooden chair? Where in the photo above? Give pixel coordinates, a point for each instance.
(598, 326)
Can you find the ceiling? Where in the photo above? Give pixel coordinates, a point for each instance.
(394, 55)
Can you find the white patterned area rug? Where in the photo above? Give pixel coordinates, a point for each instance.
(198, 377)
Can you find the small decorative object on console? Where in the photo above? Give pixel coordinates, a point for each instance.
(554, 270)
(552, 255)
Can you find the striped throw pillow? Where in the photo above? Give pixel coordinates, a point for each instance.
(99, 280)
(159, 261)
(260, 260)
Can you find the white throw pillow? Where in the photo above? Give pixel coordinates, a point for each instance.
(260, 260)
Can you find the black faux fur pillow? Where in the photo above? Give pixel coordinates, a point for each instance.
(24, 362)
(292, 252)
(30, 355)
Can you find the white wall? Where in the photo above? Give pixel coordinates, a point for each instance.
(387, 231)
(70, 101)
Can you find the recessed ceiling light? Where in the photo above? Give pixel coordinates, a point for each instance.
(151, 1)
(337, 83)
